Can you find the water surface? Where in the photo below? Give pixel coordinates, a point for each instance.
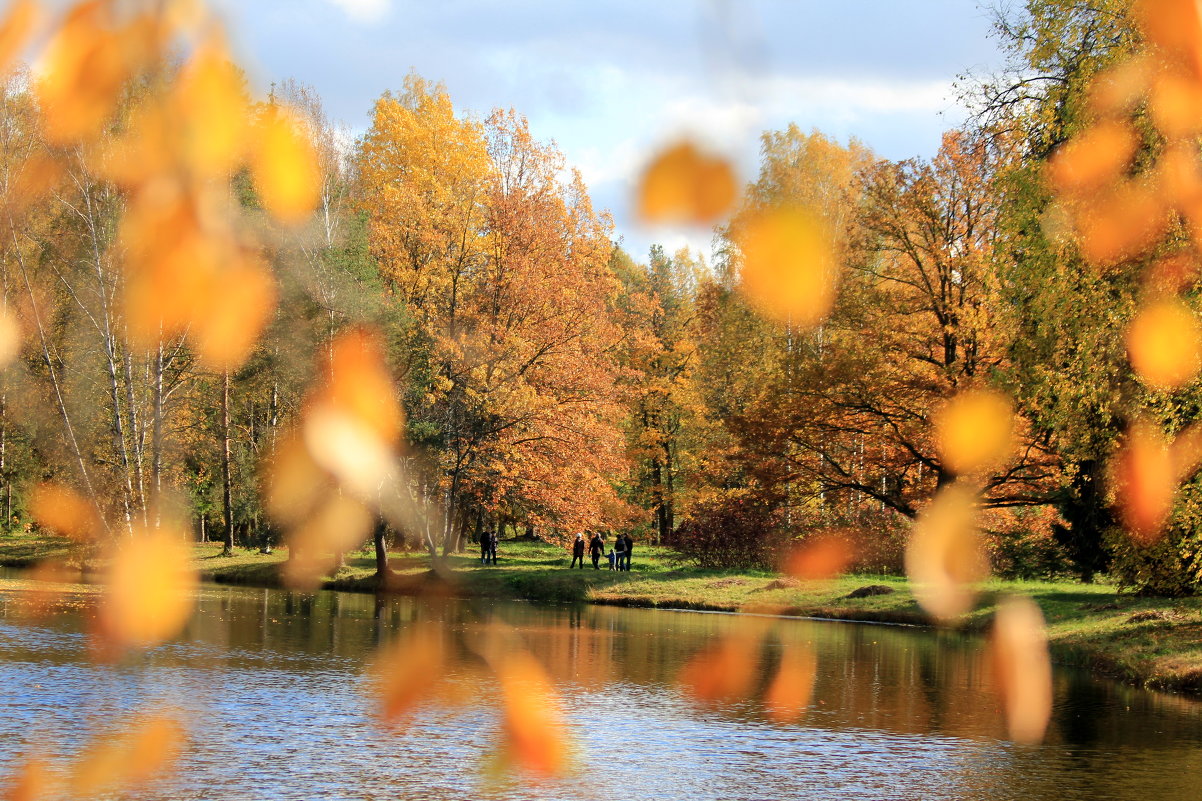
(273, 685)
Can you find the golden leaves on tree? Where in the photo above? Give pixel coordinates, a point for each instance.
(1123, 206)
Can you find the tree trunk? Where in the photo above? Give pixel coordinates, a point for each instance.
(383, 571)
(227, 485)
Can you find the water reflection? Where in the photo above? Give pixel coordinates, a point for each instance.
(273, 683)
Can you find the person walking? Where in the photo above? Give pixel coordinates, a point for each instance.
(485, 538)
(490, 546)
(619, 552)
(596, 546)
(578, 552)
(629, 549)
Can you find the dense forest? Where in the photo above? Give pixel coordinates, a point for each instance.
(539, 379)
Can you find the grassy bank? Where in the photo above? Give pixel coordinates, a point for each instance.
(1148, 641)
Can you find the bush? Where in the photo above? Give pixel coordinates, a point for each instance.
(732, 531)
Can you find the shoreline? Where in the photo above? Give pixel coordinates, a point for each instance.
(1153, 643)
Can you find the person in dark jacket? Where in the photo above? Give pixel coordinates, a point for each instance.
(485, 539)
(578, 552)
(488, 547)
(619, 552)
(596, 546)
(629, 549)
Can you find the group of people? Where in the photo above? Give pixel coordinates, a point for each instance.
(619, 554)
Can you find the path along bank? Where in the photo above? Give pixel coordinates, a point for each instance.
(1150, 642)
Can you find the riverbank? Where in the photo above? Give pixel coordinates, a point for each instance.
(1152, 642)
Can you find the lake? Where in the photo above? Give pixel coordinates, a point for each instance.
(273, 685)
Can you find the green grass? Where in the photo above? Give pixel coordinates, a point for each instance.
(1151, 641)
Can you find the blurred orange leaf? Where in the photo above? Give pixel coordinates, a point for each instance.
(406, 672)
(1176, 104)
(226, 332)
(31, 781)
(211, 101)
(86, 64)
(1118, 225)
(1120, 87)
(15, 30)
(724, 671)
(821, 556)
(1145, 480)
(536, 737)
(1174, 26)
(789, 268)
(682, 184)
(1178, 174)
(1092, 158)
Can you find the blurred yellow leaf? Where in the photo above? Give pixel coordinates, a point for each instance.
(211, 102)
(226, 331)
(944, 558)
(284, 166)
(1022, 668)
(1164, 343)
(975, 431)
(789, 693)
(789, 268)
(150, 585)
(682, 184)
(1092, 158)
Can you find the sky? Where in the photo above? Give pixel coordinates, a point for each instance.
(610, 82)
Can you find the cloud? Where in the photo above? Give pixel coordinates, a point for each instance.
(364, 10)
